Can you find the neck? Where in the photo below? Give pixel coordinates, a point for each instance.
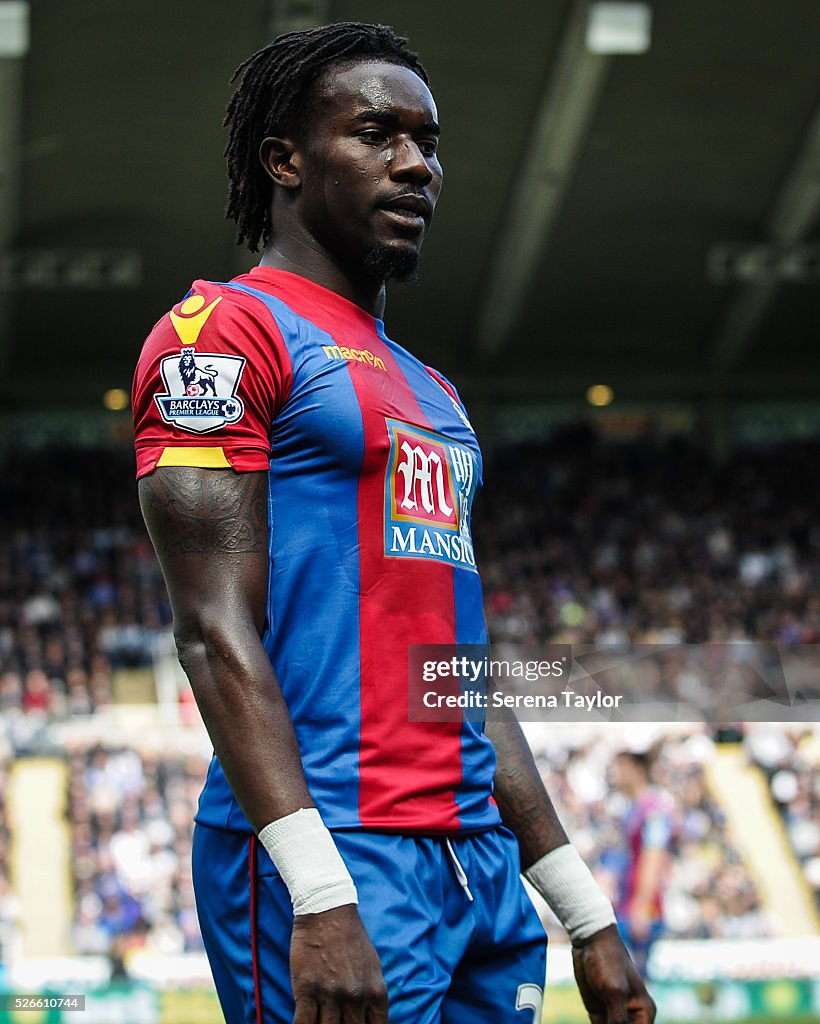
(637, 789)
(316, 265)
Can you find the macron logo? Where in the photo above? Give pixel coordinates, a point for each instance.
(357, 355)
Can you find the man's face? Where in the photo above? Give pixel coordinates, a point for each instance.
(626, 776)
(621, 773)
(372, 175)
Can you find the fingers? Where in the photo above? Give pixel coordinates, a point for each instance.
(621, 1008)
(331, 1013)
(377, 1011)
(626, 1006)
(336, 969)
(617, 1011)
(344, 1009)
(307, 1011)
(642, 1010)
(372, 1010)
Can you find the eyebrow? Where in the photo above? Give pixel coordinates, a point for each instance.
(388, 119)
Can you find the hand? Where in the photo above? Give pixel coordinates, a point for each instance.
(335, 971)
(610, 986)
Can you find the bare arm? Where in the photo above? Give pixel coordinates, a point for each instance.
(522, 798)
(610, 987)
(650, 874)
(209, 528)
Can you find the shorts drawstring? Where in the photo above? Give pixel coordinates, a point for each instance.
(461, 875)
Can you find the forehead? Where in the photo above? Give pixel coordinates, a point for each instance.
(349, 89)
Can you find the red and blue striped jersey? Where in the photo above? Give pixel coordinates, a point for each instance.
(372, 466)
(648, 825)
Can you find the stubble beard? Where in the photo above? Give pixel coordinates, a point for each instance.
(391, 263)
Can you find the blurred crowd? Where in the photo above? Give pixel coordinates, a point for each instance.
(131, 819)
(707, 892)
(791, 761)
(9, 910)
(578, 542)
(596, 543)
(81, 594)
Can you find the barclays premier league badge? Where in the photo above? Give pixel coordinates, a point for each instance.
(200, 390)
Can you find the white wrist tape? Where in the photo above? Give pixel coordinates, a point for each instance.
(307, 859)
(566, 883)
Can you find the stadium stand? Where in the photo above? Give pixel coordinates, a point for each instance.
(41, 855)
(130, 812)
(9, 902)
(791, 763)
(708, 893)
(579, 540)
(81, 595)
(593, 542)
(758, 834)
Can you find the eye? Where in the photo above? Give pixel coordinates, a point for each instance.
(373, 137)
(428, 147)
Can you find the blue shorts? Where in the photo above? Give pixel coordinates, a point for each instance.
(457, 935)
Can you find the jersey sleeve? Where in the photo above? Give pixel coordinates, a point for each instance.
(656, 832)
(210, 380)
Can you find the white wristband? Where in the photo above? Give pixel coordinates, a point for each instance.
(307, 859)
(566, 883)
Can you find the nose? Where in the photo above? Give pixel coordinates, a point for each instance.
(408, 163)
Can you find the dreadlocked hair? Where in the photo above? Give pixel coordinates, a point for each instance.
(273, 84)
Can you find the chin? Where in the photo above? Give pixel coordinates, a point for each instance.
(393, 262)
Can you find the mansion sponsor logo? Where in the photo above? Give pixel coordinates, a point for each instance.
(429, 489)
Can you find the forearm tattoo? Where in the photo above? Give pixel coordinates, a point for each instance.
(206, 512)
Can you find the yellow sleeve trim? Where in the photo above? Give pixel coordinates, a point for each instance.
(201, 458)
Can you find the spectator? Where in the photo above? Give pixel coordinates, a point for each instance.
(131, 816)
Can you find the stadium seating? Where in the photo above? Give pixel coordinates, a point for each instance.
(578, 541)
(791, 761)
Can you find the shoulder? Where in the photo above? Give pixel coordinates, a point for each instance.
(216, 314)
(656, 820)
(216, 321)
(448, 385)
(212, 374)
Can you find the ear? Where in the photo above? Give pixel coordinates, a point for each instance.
(282, 162)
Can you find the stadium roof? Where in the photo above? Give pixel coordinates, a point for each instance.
(646, 219)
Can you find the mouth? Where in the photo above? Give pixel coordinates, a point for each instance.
(410, 212)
